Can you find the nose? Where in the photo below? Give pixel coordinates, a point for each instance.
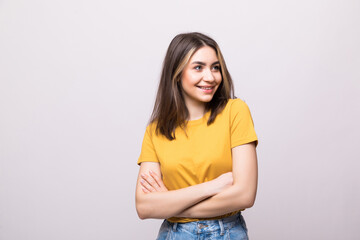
(208, 75)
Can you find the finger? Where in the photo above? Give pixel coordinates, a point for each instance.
(150, 180)
(147, 186)
(144, 190)
(157, 179)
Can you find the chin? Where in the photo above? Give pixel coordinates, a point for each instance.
(207, 99)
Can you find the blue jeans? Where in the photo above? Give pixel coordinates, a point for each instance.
(232, 227)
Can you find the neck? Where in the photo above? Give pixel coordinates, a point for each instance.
(196, 109)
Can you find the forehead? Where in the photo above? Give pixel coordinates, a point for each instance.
(204, 54)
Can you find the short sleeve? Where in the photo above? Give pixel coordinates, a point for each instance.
(148, 153)
(241, 124)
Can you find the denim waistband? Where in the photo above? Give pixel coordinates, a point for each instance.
(208, 225)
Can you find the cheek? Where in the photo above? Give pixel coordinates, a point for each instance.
(185, 84)
(219, 78)
(188, 80)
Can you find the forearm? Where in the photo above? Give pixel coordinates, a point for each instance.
(231, 199)
(167, 204)
(238, 196)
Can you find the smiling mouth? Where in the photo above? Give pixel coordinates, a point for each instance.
(206, 88)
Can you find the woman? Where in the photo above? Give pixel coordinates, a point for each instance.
(198, 164)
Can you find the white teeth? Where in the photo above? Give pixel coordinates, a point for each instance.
(207, 88)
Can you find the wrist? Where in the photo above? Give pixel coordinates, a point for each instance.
(211, 188)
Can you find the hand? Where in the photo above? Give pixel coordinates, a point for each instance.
(152, 183)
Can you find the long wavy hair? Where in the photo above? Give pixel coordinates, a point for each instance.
(170, 110)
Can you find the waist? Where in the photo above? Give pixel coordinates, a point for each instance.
(186, 220)
(204, 226)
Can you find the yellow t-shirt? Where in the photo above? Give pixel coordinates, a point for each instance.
(204, 153)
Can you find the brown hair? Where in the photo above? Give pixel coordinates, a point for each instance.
(170, 110)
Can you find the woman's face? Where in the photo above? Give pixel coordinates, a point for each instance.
(201, 77)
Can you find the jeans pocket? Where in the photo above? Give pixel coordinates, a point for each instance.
(164, 231)
(238, 231)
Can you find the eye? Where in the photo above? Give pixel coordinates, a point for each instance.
(198, 67)
(216, 68)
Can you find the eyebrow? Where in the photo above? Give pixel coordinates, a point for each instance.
(203, 64)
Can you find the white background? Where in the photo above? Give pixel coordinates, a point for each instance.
(77, 86)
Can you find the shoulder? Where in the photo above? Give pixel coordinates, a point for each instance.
(151, 128)
(236, 102)
(236, 105)
(153, 133)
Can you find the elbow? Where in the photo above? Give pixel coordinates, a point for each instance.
(142, 211)
(249, 202)
(246, 200)
(245, 203)
(146, 212)
(142, 214)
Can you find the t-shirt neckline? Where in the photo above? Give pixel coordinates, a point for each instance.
(199, 121)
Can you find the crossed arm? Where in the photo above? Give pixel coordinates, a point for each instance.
(227, 193)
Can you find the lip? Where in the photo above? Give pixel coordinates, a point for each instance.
(206, 90)
(206, 86)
